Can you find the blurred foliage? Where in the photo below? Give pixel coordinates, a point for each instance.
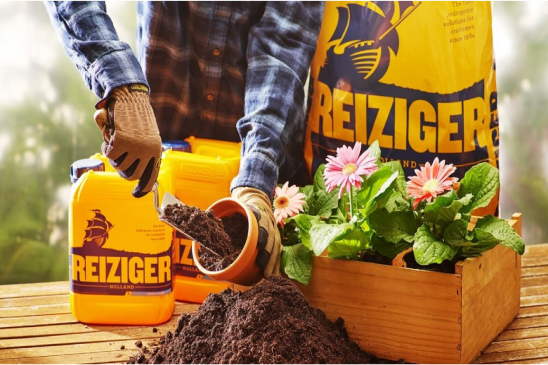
(52, 126)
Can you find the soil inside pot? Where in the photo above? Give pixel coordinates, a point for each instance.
(445, 266)
(375, 258)
(225, 236)
(270, 323)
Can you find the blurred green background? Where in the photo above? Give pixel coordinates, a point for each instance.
(46, 123)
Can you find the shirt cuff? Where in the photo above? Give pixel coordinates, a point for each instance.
(257, 171)
(115, 69)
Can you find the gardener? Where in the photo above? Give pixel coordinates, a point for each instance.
(225, 71)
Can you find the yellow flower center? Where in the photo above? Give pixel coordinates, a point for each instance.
(281, 202)
(349, 169)
(430, 186)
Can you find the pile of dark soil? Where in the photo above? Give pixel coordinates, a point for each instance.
(270, 323)
(225, 237)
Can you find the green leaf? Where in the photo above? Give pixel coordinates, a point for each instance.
(482, 181)
(375, 189)
(304, 222)
(502, 231)
(319, 181)
(428, 250)
(484, 241)
(323, 235)
(349, 246)
(322, 203)
(394, 226)
(433, 210)
(375, 151)
(388, 249)
(455, 233)
(296, 262)
(395, 166)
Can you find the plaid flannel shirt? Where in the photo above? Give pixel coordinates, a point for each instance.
(222, 70)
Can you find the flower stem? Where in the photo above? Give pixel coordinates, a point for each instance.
(350, 201)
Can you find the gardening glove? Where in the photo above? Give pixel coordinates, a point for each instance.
(132, 141)
(269, 242)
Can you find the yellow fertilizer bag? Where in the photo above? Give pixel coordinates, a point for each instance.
(418, 77)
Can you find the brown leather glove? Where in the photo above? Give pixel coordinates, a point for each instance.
(269, 242)
(132, 141)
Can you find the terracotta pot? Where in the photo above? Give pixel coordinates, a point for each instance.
(243, 270)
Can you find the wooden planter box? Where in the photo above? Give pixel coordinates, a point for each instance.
(421, 316)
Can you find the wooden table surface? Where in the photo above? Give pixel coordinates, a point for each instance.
(36, 325)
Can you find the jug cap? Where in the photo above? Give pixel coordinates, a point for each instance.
(79, 167)
(176, 145)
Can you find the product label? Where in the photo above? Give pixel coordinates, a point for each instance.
(105, 265)
(418, 77)
(184, 261)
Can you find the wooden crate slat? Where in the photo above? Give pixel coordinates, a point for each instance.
(504, 357)
(84, 348)
(33, 301)
(515, 345)
(34, 289)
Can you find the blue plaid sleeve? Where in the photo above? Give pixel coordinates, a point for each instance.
(89, 38)
(280, 49)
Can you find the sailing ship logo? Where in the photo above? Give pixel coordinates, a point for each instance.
(362, 43)
(96, 232)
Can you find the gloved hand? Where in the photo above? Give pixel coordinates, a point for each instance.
(132, 141)
(269, 242)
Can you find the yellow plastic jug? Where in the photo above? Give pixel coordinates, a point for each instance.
(120, 254)
(202, 170)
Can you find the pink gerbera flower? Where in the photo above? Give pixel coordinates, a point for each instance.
(287, 202)
(431, 181)
(347, 168)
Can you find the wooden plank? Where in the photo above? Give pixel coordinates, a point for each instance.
(64, 329)
(34, 289)
(112, 334)
(541, 280)
(44, 320)
(523, 333)
(35, 310)
(119, 356)
(516, 345)
(534, 271)
(543, 360)
(66, 318)
(504, 357)
(536, 250)
(534, 261)
(541, 310)
(32, 301)
(490, 281)
(534, 301)
(534, 291)
(84, 348)
(531, 322)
